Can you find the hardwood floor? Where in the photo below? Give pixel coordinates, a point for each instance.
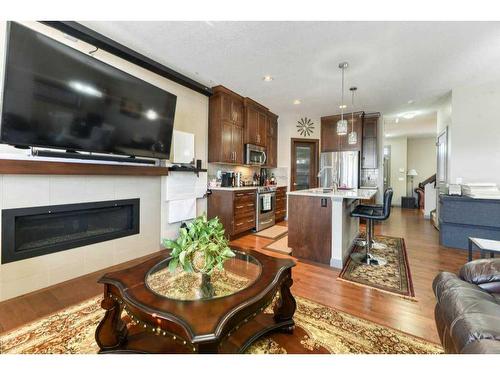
(313, 281)
(426, 258)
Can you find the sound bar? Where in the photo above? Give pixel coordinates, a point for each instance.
(75, 155)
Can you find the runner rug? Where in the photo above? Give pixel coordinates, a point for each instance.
(394, 277)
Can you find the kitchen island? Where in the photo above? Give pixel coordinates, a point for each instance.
(320, 227)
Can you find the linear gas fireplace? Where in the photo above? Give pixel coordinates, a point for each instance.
(35, 231)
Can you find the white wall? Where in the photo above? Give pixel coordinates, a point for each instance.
(443, 118)
(474, 138)
(421, 157)
(23, 191)
(398, 167)
(287, 129)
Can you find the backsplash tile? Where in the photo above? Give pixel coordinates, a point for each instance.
(369, 177)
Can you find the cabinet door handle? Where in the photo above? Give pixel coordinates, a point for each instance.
(250, 205)
(238, 224)
(250, 221)
(239, 207)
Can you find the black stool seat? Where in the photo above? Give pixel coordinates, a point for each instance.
(372, 212)
(368, 212)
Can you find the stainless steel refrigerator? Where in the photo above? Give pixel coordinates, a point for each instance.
(341, 167)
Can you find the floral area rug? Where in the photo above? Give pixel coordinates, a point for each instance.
(394, 277)
(319, 329)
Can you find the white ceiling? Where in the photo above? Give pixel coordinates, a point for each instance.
(390, 62)
(422, 125)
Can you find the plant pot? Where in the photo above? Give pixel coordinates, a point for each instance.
(206, 287)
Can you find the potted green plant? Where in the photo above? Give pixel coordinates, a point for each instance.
(201, 247)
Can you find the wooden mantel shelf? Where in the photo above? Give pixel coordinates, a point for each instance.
(12, 166)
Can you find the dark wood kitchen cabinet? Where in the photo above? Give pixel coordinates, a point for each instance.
(235, 121)
(280, 210)
(272, 141)
(331, 141)
(226, 127)
(369, 151)
(256, 122)
(234, 208)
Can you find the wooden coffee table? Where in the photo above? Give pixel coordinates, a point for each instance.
(151, 310)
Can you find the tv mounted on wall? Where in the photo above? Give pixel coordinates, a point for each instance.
(57, 97)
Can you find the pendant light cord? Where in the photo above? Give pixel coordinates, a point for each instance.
(342, 104)
(352, 111)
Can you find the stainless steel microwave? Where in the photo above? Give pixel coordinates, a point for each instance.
(255, 155)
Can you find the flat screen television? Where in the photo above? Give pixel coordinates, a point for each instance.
(57, 97)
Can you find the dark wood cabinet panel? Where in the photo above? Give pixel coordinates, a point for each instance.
(272, 141)
(331, 141)
(263, 124)
(237, 144)
(225, 128)
(235, 210)
(370, 127)
(310, 225)
(237, 111)
(251, 125)
(227, 142)
(369, 152)
(256, 122)
(280, 210)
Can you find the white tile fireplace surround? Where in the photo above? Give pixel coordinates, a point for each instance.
(17, 191)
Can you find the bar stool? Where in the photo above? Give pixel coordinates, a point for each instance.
(371, 213)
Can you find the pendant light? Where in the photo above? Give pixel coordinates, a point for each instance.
(342, 123)
(352, 138)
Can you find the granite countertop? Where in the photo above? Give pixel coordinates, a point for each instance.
(240, 188)
(369, 187)
(337, 195)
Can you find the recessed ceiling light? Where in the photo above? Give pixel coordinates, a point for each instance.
(411, 101)
(267, 78)
(397, 120)
(296, 101)
(343, 106)
(409, 115)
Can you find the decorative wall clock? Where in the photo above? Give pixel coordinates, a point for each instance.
(305, 127)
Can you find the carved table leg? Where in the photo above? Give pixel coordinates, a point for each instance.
(111, 331)
(286, 305)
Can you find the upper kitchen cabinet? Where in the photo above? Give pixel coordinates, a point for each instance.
(235, 121)
(256, 122)
(332, 142)
(369, 154)
(272, 141)
(225, 128)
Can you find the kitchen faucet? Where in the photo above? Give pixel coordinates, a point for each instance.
(335, 184)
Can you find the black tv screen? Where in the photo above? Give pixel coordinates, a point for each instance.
(57, 97)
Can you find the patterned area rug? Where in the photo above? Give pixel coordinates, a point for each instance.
(319, 329)
(394, 277)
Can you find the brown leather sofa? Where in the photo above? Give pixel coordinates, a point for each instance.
(468, 308)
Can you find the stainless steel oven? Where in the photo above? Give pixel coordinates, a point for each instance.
(266, 204)
(255, 155)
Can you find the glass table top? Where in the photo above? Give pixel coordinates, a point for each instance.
(237, 274)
